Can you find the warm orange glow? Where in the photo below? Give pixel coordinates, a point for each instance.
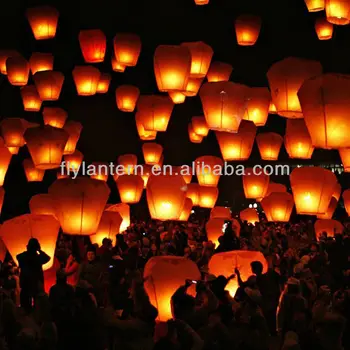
(145, 174)
(86, 79)
(152, 152)
(314, 5)
(17, 70)
(33, 174)
(61, 174)
(2, 195)
(285, 78)
(208, 170)
(207, 196)
(219, 71)
(337, 191)
(255, 186)
(54, 116)
(345, 158)
(39, 62)
(250, 215)
(272, 108)
(128, 161)
(117, 66)
(269, 144)
(126, 97)
(177, 97)
(330, 211)
(257, 105)
(201, 2)
(330, 227)
(220, 213)
(74, 160)
(247, 29)
(93, 45)
(145, 135)
(43, 21)
(30, 98)
(346, 199)
(124, 210)
(42, 204)
(127, 48)
(13, 150)
(273, 187)
(200, 126)
(130, 188)
(186, 211)
(194, 138)
(214, 229)
(100, 171)
(192, 87)
(103, 83)
(4, 55)
(324, 29)
(74, 130)
(338, 11)
(278, 206)
(192, 192)
(49, 84)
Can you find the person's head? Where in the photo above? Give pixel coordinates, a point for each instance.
(91, 253)
(33, 245)
(61, 277)
(184, 304)
(257, 267)
(106, 242)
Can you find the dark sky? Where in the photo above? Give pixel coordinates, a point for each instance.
(287, 30)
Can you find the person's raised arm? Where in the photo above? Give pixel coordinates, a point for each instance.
(44, 258)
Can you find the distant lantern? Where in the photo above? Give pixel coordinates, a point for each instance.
(145, 135)
(103, 83)
(209, 170)
(42, 204)
(297, 140)
(285, 78)
(165, 196)
(312, 188)
(43, 21)
(192, 87)
(192, 192)
(79, 204)
(49, 84)
(200, 126)
(73, 161)
(126, 97)
(269, 144)
(223, 105)
(345, 158)
(128, 162)
(54, 116)
(172, 66)
(33, 174)
(130, 188)
(250, 215)
(93, 45)
(219, 71)
(152, 152)
(163, 276)
(255, 185)
(257, 105)
(86, 79)
(273, 187)
(5, 158)
(278, 206)
(346, 198)
(315, 5)
(194, 138)
(127, 48)
(323, 28)
(186, 211)
(146, 173)
(247, 29)
(328, 227)
(108, 227)
(201, 55)
(73, 129)
(338, 11)
(99, 171)
(237, 146)
(17, 70)
(201, 2)
(325, 101)
(4, 55)
(330, 211)
(214, 229)
(177, 97)
(272, 108)
(16, 233)
(117, 66)
(124, 210)
(30, 98)
(337, 191)
(2, 195)
(220, 213)
(39, 62)
(208, 196)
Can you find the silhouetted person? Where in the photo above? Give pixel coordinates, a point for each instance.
(31, 277)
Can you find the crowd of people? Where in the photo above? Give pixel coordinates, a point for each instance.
(99, 302)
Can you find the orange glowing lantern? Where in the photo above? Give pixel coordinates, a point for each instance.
(42, 204)
(54, 116)
(314, 5)
(220, 213)
(346, 199)
(124, 210)
(74, 130)
(186, 211)
(285, 78)
(297, 140)
(49, 84)
(166, 196)
(269, 144)
(43, 21)
(152, 152)
(93, 45)
(46, 145)
(237, 146)
(214, 229)
(126, 97)
(255, 185)
(200, 126)
(4, 55)
(224, 263)
(323, 28)
(219, 71)
(257, 105)
(103, 83)
(127, 48)
(163, 276)
(172, 67)
(330, 211)
(192, 192)
(128, 162)
(223, 105)
(177, 97)
(86, 79)
(98, 171)
(278, 206)
(145, 173)
(312, 188)
(327, 117)
(273, 187)
(208, 170)
(207, 196)
(2, 195)
(17, 70)
(73, 161)
(247, 29)
(145, 135)
(329, 227)
(30, 98)
(194, 138)
(192, 87)
(130, 188)
(345, 158)
(338, 11)
(33, 174)
(272, 108)
(117, 66)
(250, 215)
(5, 158)
(201, 2)
(39, 62)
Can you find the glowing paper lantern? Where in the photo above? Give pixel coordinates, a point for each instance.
(346, 198)
(86, 79)
(17, 70)
(200, 126)
(39, 62)
(208, 170)
(325, 101)
(100, 171)
(2, 195)
(250, 215)
(345, 158)
(247, 29)
(33, 174)
(103, 83)
(193, 136)
(269, 144)
(223, 105)
(201, 2)
(207, 196)
(220, 213)
(272, 108)
(128, 162)
(214, 229)
(43, 21)
(186, 211)
(117, 66)
(152, 152)
(278, 206)
(42, 204)
(297, 140)
(163, 276)
(145, 173)
(312, 188)
(45, 145)
(93, 45)
(74, 130)
(330, 227)
(257, 105)
(172, 67)
(127, 48)
(5, 158)
(338, 11)
(237, 146)
(323, 28)
(177, 97)
(314, 5)
(4, 55)
(49, 84)
(192, 87)
(219, 71)
(124, 210)
(54, 116)
(285, 78)
(130, 188)
(30, 98)
(145, 135)
(330, 211)
(192, 192)
(126, 97)
(255, 185)
(273, 187)
(74, 160)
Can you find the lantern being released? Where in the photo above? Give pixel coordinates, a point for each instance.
(323, 28)
(269, 144)
(255, 185)
(5, 158)
(330, 211)
(103, 83)
(43, 21)
(17, 70)
(186, 211)
(152, 152)
(42, 204)
(346, 198)
(39, 62)
(209, 170)
(33, 174)
(200, 126)
(127, 48)
(192, 192)
(247, 29)
(314, 5)
(327, 228)
(215, 228)
(338, 11)
(250, 215)
(194, 138)
(220, 213)
(126, 97)
(30, 98)
(312, 188)
(257, 105)
(278, 206)
(93, 45)
(49, 84)
(54, 116)
(4, 55)
(86, 79)
(130, 188)
(124, 210)
(208, 196)
(74, 130)
(219, 71)
(345, 158)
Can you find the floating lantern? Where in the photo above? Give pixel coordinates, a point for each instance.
(278, 206)
(124, 210)
(207, 196)
(93, 45)
(17, 70)
(49, 84)
(346, 199)
(186, 211)
(86, 79)
(145, 135)
(273, 187)
(54, 116)
(257, 105)
(338, 11)
(127, 48)
(214, 229)
(177, 97)
(323, 28)
(201, 2)
(314, 5)
(220, 213)
(250, 215)
(42, 204)
(345, 158)
(30, 98)
(247, 29)
(4, 55)
(40, 62)
(130, 188)
(117, 66)
(126, 97)
(43, 21)
(103, 83)
(269, 144)
(73, 161)
(208, 170)
(192, 192)
(74, 130)
(192, 87)
(200, 126)
(193, 136)
(33, 174)
(219, 71)
(5, 158)
(152, 152)
(100, 171)
(146, 173)
(255, 185)
(328, 227)
(330, 211)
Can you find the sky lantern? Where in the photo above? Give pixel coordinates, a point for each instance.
(278, 206)
(16, 233)
(73, 160)
(49, 84)
(200, 126)
(4, 55)
(214, 229)
(269, 144)
(330, 211)
(338, 11)
(346, 199)
(285, 78)
(145, 135)
(39, 62)
(126, 97)
(163, 275)
(219, 71)
(186, 211)
(201, 2)
(201, 55)
(223, 105)
(208, 170)
(208, 196)
(192, 192)
(325, 101)
(330, 227)
(124, 210)
(177, 97)
(86, 79)
(117, 66)
(250, 215)
(165, 196)
(345, 158)
(273, 187)
(100, 171)
(80, 204)
(194, 138)
(146, 173)
(108, 227)
(33, 174)
(127, 48)
(297, 140)
(129, 162)
(255, 185)
(237, 146)
(17, 70)
(73, 129)
(323, 28)
(337, 191)
(247, 29)
(315, 5)
(103, 83)
(42, 204)
(152, 152)
(272, 108)
(192, 87)
(5, 158)
(130, 188)
(93, 45)
(30, 98)
(220, 213)
(2, 195)
(224, 263)
(312, 188)
(43, 21)
(172, 67)
(54, 116)
(45, 145)
(257, 105)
